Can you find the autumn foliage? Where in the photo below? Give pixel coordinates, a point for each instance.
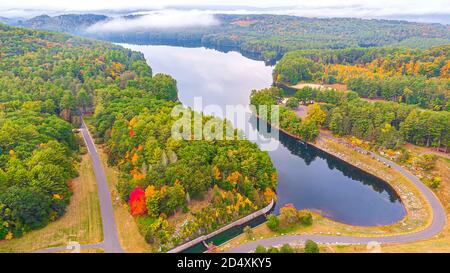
(137, 202)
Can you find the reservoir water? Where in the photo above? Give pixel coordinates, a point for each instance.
(307, 177)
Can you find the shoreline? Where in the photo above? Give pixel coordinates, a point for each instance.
(237, 222)
(388, 183)
(434, 224)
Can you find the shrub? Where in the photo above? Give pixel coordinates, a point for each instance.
(260, 249)
(273, 249)
(426, 162)
(286, 248)
(273, 223)
(249, 233)
(149, 236)
(434, 182)
(292, 103)
(288, 216)
(311, 247)
(305, 217)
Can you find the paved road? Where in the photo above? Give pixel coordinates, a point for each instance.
(433, 229)
(111, 242)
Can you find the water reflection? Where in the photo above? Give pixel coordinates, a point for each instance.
(309, 154)
(308, 177)
(311, 178)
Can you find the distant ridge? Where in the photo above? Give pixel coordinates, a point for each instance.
(72, 23)
(259, 36)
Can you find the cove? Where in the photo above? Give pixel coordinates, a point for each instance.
(307, 177)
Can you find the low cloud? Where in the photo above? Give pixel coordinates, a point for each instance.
(414, 10)
(157, 19)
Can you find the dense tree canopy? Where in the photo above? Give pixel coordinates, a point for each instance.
(410, 76)
(389, 124)
(264, 36)
(44, 79)
(136, 129)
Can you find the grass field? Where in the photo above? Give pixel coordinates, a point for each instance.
(81, 222)
(86, 250)
(130, 238)
(440, 243)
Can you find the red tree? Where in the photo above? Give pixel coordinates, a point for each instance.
(137, 202)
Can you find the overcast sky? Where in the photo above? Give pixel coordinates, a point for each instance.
(320, 8)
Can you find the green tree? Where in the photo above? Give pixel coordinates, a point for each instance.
(286, 248)
(260, 249)
(273, 222)
(308, 130)
(311, 247)
(292, 103)
(305, 217)
(164, 87)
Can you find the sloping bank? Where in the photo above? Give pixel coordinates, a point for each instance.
(239, 222)
(437, 223)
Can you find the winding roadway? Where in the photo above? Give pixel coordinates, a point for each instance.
(437, 224)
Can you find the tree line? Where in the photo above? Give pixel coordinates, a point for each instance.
(411, 76)
(161, 175)
(46, 79)
(388, 124)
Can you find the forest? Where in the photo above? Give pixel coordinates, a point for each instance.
(46, 79)
(161, 176)
(412, 76)
(394, 95)
(387, 124)
(267, 37)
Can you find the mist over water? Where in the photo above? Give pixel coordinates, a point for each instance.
(193, 13)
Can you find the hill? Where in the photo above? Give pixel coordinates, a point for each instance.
(265, 37)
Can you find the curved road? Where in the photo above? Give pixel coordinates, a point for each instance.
(433, 229)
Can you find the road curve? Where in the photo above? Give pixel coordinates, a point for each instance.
(110, 242)
(437, 223)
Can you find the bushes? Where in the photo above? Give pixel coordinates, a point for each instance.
(273, 249)
(249, 233)
(311, 247)
(286, 248)
(273, 222)
(292, 103)
(260, 249)
(288, 216)
(289, 219)
(305, 217)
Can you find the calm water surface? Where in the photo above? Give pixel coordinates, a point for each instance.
(307, 177)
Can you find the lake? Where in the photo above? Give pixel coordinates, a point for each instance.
(307, 177)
